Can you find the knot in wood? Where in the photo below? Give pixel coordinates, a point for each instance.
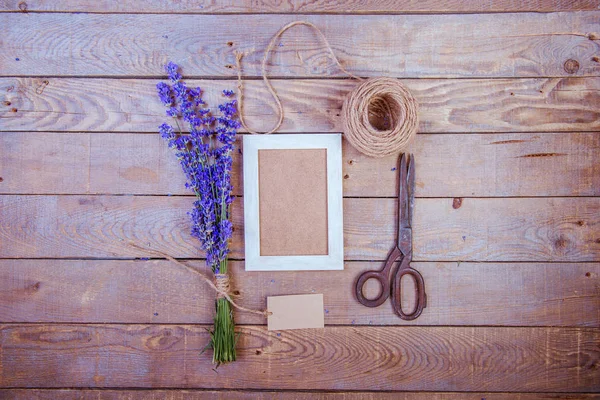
(571, 66)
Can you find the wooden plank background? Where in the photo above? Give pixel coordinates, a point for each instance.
(419, 46)
(564, 104)
(507, 223)
(297, 6)
(186, 394)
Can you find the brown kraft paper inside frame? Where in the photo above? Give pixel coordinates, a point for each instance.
(293, 202)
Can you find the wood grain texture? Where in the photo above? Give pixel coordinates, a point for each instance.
(446, 105)
(338, 358)
(182, 394)
(298, 6)
(523, 164)
(154, 291)
(494, 229)
(466, 45)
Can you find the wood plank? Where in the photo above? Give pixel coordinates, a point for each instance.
(298, 6)
(458, 45)
(474, 229)
(154, 291)
(183, 394)
(446, 105)
(338, 358)
(483, 165)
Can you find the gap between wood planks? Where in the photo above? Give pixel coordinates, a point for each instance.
(216, 78)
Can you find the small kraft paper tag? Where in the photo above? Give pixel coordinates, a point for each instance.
(295, 312)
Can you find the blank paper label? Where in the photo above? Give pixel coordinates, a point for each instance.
(295, 312)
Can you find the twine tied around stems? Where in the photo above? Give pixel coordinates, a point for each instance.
(372, 101)
(221, 283)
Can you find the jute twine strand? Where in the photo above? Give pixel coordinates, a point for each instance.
(373, 99)
(263, 68)
(220, 285)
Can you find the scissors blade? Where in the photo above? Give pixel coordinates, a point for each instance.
(406, 200)
(404, 192)
(411, 190)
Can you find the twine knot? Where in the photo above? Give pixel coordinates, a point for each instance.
(222, 286)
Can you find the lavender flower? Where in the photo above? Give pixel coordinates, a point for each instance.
(164, 93)
(205, 158)
(173, 71)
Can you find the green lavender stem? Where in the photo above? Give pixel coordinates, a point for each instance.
(223, 335)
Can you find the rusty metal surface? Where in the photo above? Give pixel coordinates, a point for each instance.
(402, 252)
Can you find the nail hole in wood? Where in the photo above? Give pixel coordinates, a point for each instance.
(588, 274)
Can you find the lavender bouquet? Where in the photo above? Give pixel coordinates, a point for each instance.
(205, 157)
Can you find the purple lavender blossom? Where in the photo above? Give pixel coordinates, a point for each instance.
(173, 71)
(165, 94)
(205, 157)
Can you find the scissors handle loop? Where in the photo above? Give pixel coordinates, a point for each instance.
(420, 295)
(385, 288)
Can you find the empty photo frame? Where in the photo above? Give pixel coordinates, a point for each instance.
(293, 206)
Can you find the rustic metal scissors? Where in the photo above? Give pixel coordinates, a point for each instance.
(401, 252)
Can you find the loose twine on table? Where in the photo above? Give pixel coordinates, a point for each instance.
(221, 283)
(373, 99)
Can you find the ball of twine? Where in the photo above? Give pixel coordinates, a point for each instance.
(380, 117)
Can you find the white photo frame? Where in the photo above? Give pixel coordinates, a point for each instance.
(334, 257)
